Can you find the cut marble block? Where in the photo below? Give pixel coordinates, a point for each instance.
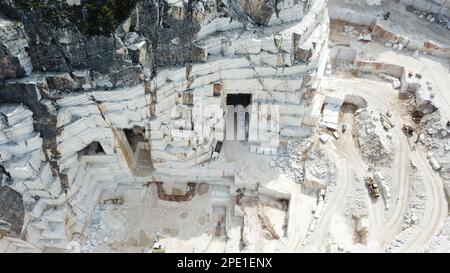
(17, 132)
(165, 104)
(247, 46)
(25, 166)
(176, 75)
(242, 73)
(205, 80)
(37, 208)
(14, 114)
(31, 143)
(218, 65)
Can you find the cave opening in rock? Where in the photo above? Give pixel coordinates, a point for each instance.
(134, 136)
(238, 116)
(239, 99)
(94, 148)
(138, 150)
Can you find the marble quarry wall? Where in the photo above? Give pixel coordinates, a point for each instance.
(435, 6)
(83, 113)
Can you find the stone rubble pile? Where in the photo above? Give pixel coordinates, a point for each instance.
(432, 129)
(356, 202)
(439, 18)
(434, 134)
(289, 161)
(304, 163)
(413, 218)
(416, 198)
(320, 170)
(373, 149)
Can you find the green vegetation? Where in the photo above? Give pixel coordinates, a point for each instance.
(93, 17)
(158, 250)
(105, 17)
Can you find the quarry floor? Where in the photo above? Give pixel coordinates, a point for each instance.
(178, 226)
(385, 223)
(189, 226)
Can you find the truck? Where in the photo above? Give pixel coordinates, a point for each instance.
(373, 187)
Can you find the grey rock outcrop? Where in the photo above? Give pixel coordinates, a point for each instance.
(14, 59)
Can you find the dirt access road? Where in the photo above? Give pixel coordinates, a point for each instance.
(386, 224)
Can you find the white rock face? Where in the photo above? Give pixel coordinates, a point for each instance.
(268, 67)
(23, 158)
(168, 127)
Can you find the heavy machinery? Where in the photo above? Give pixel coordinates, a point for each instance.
(373, 187)
(408, 130)
(157, 248)
(387, 13)
(219, 229)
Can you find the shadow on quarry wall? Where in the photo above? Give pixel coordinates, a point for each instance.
(11, 212)
(355, 101)
(92, 17)
(190, 193)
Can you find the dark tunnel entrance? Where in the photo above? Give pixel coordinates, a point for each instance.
(239, 99)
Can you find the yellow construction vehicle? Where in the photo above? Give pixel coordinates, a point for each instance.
(373, 187)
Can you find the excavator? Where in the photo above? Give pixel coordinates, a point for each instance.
(409, 131)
